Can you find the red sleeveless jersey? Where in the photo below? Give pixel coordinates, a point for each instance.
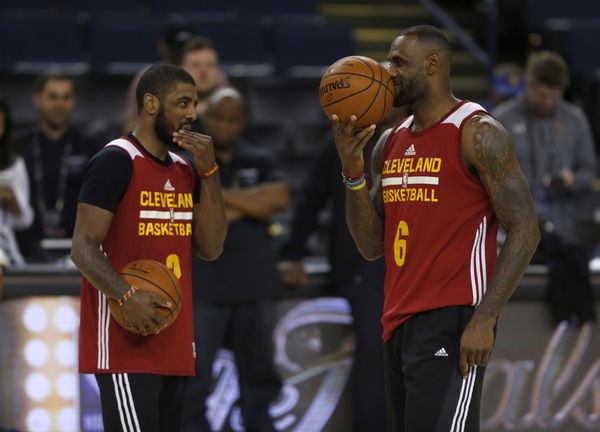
(153, 221)
(440, 227)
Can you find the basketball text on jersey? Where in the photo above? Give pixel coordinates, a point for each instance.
(163, 220)
(420, 189)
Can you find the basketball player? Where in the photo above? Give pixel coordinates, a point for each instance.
(136, 203)
(443, 180)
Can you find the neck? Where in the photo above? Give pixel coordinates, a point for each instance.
(151, 142)
(430, 109)
(52, 132)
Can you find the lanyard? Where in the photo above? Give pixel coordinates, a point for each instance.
(38, 174)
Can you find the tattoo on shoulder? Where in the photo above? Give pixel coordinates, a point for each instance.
(491, 149)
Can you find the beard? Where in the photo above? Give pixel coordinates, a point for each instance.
(410, 92)
(162, 128)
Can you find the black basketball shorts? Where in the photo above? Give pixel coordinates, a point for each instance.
(424, 389)
(133, 402)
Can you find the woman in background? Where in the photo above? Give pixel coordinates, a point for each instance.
(15, 211)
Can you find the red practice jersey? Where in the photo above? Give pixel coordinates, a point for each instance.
(152, 221)
(440, 227)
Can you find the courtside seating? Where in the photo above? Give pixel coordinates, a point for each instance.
(190, 7)
(305, 50)
(241, 47)
(539, 11)
(253, 8)
(583, 35)
(25, 5)
(36, 43)
(101, 7)
(123, 45)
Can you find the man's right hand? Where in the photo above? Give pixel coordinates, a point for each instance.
(141, 312)
(293, 273)
(350, 145)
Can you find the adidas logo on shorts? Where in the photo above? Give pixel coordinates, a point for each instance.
(441, 353)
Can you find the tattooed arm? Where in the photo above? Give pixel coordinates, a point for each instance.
(363, 213)
(487, 150)
(91, 227)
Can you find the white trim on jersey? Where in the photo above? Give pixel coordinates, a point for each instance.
(125, 405)
(178, 159)
(165, 215)
(103, 323)
(406, 123)
(394, 181)
(458, 116)
(131, 149)
(464, 401)
(478, 265)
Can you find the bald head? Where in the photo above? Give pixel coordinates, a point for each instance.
(225, 117)
(225, 93)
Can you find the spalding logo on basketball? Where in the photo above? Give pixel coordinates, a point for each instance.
(359, 86)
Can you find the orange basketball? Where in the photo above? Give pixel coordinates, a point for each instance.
(150, 275)
(357, 85)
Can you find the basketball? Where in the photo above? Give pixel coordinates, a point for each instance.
(150, 275)
(359, 86)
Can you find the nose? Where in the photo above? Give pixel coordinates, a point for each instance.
(191, 114)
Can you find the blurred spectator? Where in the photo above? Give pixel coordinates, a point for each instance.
(170, 47)
(508, 80)
(55, 154)
(351, 276)
(15, 211)
(234, 296)
(201, 60)
(554, 146)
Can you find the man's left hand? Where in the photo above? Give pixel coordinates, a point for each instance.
(476, 343)
(200, 146)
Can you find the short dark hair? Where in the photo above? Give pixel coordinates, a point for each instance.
(197, 43)
(547, 68)
(428, 34)
(42, 80)
(159, 80)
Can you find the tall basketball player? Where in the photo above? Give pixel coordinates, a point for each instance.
(443, 181)
(139, 200)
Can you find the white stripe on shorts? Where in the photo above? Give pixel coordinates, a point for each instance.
(464, 401)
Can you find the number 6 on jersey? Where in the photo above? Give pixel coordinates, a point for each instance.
(400, 243)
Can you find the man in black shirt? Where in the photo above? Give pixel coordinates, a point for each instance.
(235, 295)
(55, 153)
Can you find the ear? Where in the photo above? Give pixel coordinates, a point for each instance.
(151, 104)
(432, 63)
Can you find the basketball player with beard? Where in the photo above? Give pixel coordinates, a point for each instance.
(443, 181)
(141, 201)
